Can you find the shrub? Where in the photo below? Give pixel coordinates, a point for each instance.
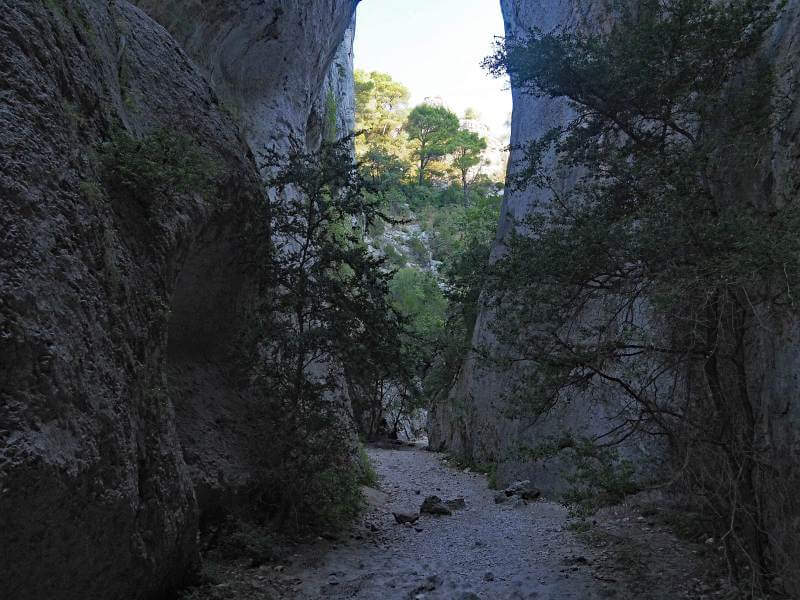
(418, 249)
(326, 317)
(367, 474)
(649, 278)
(156, 168)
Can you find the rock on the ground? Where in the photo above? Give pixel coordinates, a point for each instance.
(456, 504)
(433, 505)
(517, 487)
(402, 517)
(530, 493)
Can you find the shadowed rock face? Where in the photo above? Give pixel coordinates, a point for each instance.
(101, 299)
(471, 422)
(267, 59)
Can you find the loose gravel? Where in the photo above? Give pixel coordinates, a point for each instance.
(485, 551)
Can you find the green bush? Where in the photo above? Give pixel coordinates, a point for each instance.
(328, 315)
(393, 257)
(156, 168)
(491, 475)
(247, 540)
(418, 250)
(367, 474)
(598, 476)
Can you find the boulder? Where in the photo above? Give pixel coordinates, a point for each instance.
(517, 487)
(531, 493)
(433, 505)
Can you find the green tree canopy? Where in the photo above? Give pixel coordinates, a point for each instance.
(380, 107)
(468, 147)
(434, 129)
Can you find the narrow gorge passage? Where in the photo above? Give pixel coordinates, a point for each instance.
(251, 251)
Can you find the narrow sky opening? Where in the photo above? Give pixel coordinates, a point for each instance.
(435, 48)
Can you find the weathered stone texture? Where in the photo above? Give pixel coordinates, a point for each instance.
(100, 299)
(472, 422)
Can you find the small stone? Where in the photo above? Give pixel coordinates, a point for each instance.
(517, 487)
(403, 517)
(456, 504)
(500, 498)
(530, 494)
(489, 576)
(431, 583)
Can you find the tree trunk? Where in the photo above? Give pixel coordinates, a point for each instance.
(422, 163)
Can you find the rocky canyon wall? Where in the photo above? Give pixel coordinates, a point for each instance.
(122, 407)
(473, 421)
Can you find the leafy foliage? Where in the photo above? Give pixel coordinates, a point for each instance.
(467, 149)
(380, 110)
(155, 169)
(433, 128)
(328, 317)
(647, 279)
(447, 212)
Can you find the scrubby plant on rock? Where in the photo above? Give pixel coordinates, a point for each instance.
(326, 314)
(650, 278)
(156, 167)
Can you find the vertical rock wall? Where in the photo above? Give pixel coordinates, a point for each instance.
(101, 298)
(472, 423)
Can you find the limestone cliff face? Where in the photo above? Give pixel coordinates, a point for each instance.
(267, 59)
(274, 65)
(119, 407)
(472, 421)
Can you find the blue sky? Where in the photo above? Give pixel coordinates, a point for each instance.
(435, 47)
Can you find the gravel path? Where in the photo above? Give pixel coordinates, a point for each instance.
(485, 551)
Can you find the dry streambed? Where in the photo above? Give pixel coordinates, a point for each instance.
(483, 550)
